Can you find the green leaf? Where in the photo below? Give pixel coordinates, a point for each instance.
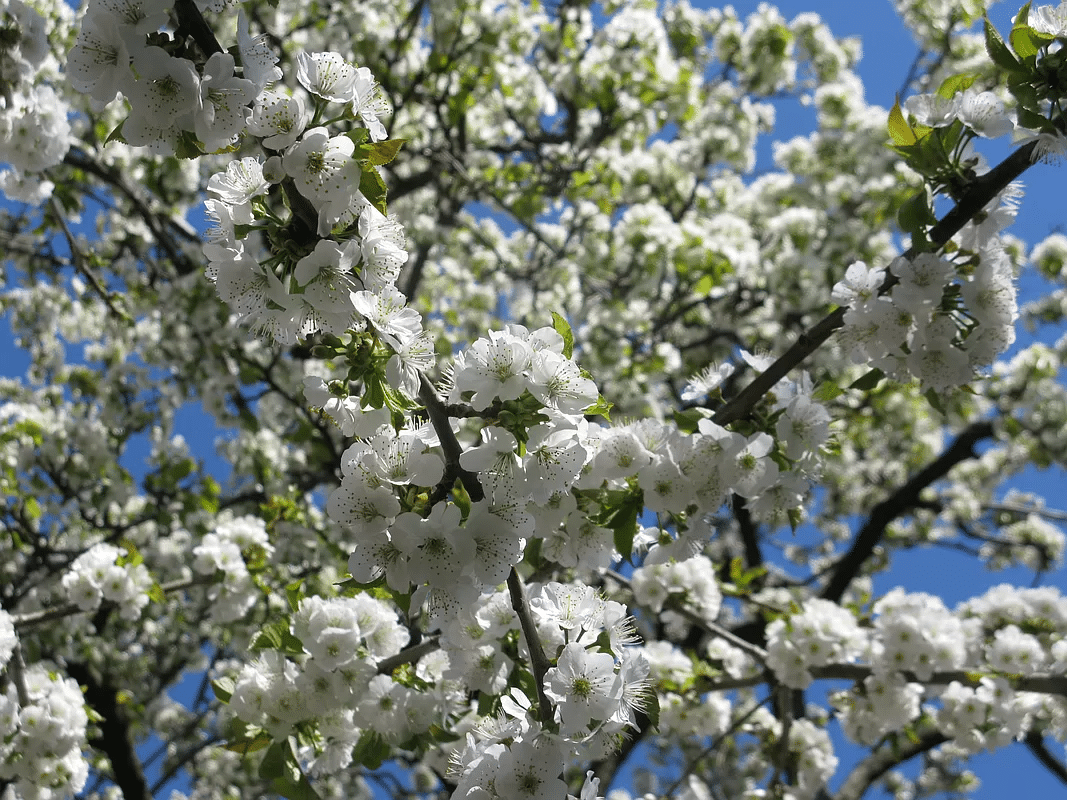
(601, 408)
(998, 51)
(273, 764)
(827, 391)
(31, 508)
(954, 84)
(295, 789)
(869, 381)
(381, 152)
(224, 689)
(563, 328)
(620, 516)
(915, 215)
(116, 135)
(899, 129)
(156, 595)
(373, 188)
(188, 146)
(351, 586)
(294, 593)
(934, 399)
(371, 750)
(246, 746)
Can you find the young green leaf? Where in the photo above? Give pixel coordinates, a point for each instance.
(899, 129)
(998, 51)
(563, 328)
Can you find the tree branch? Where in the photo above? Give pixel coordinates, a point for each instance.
(538, 660)
(899, 502)
(1035, 742)
(981, 191)
(927, 737)
(31, 619)
(115, 738)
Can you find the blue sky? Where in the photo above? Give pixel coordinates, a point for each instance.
(888, 51)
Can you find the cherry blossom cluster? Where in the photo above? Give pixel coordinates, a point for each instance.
(106, 572)
(326, 675)
(926, 327)
(34, 132)
(597, 685)
(230, 550)
(42, 735)
(912, 636)
(171, 101)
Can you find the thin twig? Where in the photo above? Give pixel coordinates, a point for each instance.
(77, 258)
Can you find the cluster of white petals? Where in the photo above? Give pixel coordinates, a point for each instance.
(105, 572)
(41, 739)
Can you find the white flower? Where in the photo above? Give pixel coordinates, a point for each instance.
(236, 187)
(558, 383)
(440, 551)
(166, 90)
(224, 101)
(135, 18)
(259, 62)
(324, 171)
(530, 770)
(803, 427)
(859, 287)
(388, 313)
(494, 368)
(8, 639)
(99, 62)
(984, 113)
(327, 75)
(932, 110)
(278, 118)
(922, 282)
(706, 381)
(366, 509)
(554, 457)
(584, 686)
(414, 357)
(369, 103)
(1050, 20)
(382, 244)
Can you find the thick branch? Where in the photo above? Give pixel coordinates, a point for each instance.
(1035, 742)
(897, 504)
(191, 22)
(978, 196)
(115, 739)
(927, 737)
(1043, 684)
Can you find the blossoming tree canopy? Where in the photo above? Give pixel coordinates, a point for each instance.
(556, 439)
